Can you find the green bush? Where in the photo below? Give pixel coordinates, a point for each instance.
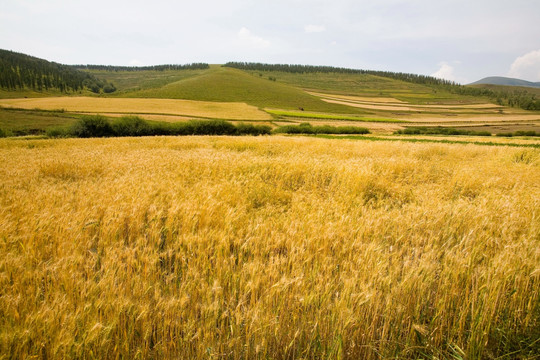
(212, 127)
(527, 133)
(440, 131)
(99, 126)
(131, 126)
(92, 126)
(250, 129)
(2, 133)
(57, 132)
(109, 88)
(519, 133)
(307, 128)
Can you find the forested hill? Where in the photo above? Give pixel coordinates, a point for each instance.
(19, 71)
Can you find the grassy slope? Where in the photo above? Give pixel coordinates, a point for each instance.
(127, 81)
(367, 85)
(225, 84)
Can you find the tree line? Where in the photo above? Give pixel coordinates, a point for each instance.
(302, 69)
(20, 71)
(520, 98)
(113, 68)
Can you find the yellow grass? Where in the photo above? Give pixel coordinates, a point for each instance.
(268, 247)
(206, 109)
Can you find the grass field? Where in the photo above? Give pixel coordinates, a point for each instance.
(365, 85)
(126, 81)
(270, 247)
(323, 116)
(33, 121)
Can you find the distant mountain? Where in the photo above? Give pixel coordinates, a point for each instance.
(499, 80)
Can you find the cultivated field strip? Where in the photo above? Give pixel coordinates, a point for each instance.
(395, 104)
(268, 247)
(131, 106)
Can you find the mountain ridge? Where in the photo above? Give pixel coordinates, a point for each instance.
(502, 80)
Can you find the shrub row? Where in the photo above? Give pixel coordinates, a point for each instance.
(440, 131)
(99, 126)
(307, 128)
(520, 133)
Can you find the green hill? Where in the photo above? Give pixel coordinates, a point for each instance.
(227, 84)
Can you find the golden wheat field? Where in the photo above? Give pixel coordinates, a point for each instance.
(268, 248)
(81, 104)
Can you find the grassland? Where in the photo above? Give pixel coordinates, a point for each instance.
(367, 86)
(126, 81)
(26, 122)
(273, 247)
(326, 116)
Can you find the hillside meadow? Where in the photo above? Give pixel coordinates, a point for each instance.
(268, 248)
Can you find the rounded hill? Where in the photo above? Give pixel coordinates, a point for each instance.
(233, 85)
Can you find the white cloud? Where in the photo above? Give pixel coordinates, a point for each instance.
(445, 72)
(135, 62)
(526, 67)
(314, 29)
(255, 41)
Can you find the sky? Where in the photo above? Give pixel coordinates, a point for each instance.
(458, 40)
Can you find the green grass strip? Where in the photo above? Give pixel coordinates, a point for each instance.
(309, 115)
(374, 138)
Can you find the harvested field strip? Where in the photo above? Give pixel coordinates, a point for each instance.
(358, 98)
(469, 119)
(310, 115)
(392, 101)
(204, 109)
(369, 106)
(420, 140)
(415, 108)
